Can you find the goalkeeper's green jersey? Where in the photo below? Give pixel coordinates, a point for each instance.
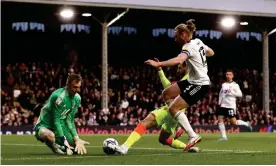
(60, 109)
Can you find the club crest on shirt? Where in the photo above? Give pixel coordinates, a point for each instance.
(58, 101)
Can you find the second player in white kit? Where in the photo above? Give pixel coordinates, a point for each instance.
(230, 90)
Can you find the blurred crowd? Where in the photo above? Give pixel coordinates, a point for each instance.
(133, 93)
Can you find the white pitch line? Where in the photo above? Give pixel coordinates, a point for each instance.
(75, 157)
(213, 151)
(163, 149)
(234, 151)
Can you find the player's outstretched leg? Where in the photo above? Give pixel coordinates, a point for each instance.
(174, 108)
(135, 136)
(47, 136)
(234, 121)
(222, 128)
(182, 119)
(165, 138)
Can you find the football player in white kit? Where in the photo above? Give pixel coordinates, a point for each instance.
(230, 90)
(187, 92)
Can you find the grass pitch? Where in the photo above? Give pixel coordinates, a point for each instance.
(242, 148)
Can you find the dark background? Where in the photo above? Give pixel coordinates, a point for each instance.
(125, 49)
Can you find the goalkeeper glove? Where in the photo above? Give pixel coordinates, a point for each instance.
(80, 148)
(68, 148)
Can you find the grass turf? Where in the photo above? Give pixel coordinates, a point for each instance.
(242, 148)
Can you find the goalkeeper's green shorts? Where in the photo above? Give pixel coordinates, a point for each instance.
(164, 119)
(64, 127)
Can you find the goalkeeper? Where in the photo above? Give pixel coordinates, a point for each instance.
(55, 125)
(158, 118)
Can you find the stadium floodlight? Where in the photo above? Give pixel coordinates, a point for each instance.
(271, 32)
(67, 13)
(228, 22)
(243, 23)
(117, 18)
(86, 14)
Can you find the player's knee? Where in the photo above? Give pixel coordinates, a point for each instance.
(43, 132)
(173, 110)
(146, 123)
(149, 121)
(51, 136)
(47, 134)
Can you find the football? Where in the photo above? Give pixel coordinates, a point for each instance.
(106, 142)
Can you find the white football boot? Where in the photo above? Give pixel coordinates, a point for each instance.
(119, 149)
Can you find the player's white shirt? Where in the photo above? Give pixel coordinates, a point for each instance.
(196, 62)
(228, 94)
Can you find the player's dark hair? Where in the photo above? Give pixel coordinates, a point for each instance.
(230, 70)
(178, 72)
(184, 64)
(189, 27)
(73, 77)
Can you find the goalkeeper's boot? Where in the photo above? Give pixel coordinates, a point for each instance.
(119, 149)
(192, 141)
(179, 132)
(250, 128)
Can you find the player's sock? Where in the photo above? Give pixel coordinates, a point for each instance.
(183, 121)
(222, 130)
(174, 143)
(50, 144)
(241, 123)
(135, 135)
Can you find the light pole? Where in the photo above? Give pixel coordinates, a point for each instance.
(105, 26)
(266, 70)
